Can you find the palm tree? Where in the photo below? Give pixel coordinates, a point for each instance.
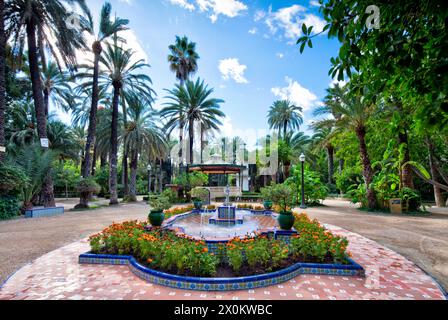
(23, 19)
(194, 103)
(352, 114)
(107, 28)
(2, 78)
(56, 87)
(183, 61)
(141, 134)
(284, 116)
(120, 76)
(322, 140)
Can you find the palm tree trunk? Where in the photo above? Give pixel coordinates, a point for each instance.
(406, 172)
(95, 156)
(2, 78)
(330, 152)
(285, 129)
(97, 49)
(181, 142)
(39, 105)
(133, 180)
(161, 176)
(437, 191)
(367, 167)
(46, 101)
(191, 138)
(125, 154)
(113, 157)
(202, 144)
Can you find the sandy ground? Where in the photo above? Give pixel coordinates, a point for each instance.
(423, 240)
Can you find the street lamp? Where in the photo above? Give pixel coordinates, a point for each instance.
(302, 160)
(149, 178)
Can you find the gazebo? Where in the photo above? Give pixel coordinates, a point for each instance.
(218, 172)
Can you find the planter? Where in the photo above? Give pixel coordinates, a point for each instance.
(44, 212)
(156, 217)
(268, 204)
(197, 204)
(286, 220)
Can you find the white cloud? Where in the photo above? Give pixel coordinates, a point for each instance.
(335, 81)
(314, 3)
(289, 21)
(253, 31)
(129, 2)
(184, 4)
(280, 55)
(297, 94)
(232, 69)
(259, 14)
(228, 8)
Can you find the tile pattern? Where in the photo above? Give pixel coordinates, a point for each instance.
(58, 276)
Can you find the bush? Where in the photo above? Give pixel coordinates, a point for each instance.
(9, 207)
(12, 179)
(200, 194)
(284, 196)
(159, 203)
(315, 190)
(88, 186)
(347, 178)
(170, 194)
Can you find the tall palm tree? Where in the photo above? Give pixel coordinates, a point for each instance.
(284, 116)
(56, 87)
(120, 76)
(353, 113)
(107, 28)
(183, 60)
(24, 18)
(194, 102)
(2, 78)
(141, 134)
(322, 140)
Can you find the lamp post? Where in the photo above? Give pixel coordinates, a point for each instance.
(149, 178)
(302, 160)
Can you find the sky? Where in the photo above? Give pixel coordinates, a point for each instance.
(247, 52)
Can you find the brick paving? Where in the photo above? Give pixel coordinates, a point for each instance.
(58, 276)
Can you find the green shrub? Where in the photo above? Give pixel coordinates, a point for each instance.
(315, 190)
(200, 194)
(12, 179)
(284, 196)
(170, 194)
(9, 207)
(159, 203)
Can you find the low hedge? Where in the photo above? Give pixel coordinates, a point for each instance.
(9, 207)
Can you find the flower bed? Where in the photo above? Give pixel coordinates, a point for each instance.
(166, 251)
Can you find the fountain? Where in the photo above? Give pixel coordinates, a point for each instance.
(226, 214)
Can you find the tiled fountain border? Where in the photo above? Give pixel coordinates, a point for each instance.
(225, 284)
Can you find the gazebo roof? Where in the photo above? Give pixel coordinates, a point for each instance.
(216, 166)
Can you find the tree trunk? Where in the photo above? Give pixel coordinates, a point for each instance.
(406, 176)
(113, 157)
(437, 191)
(97, 49)
(285, 129)
(125, 166)
(202, 144)
(103, 161)
(367, 167)
(133, 180)
(2, 78)
(95, 156)
(161, 176)
(330, 152)
(46, 101)
(341, 165)
(181, 143)
(191, 138)
(39, 105)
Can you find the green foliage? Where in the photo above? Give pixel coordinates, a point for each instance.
(284, 196)
(67, 176)
(195, 179)
(88, 186)
(200, 194)
(266, 193)
(12, 179)
(102, 178)
(9, 207)
(170, 194)
(159, 203)
(347, 178)
(315, 190)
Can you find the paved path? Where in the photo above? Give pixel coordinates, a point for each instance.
(423, 240)
(58, 276)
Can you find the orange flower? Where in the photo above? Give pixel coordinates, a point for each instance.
(205, 250)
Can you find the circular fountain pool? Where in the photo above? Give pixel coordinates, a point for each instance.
(198, 225)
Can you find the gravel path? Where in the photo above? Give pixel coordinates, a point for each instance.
(423, 240)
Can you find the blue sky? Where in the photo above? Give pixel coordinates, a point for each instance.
(246, 47)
